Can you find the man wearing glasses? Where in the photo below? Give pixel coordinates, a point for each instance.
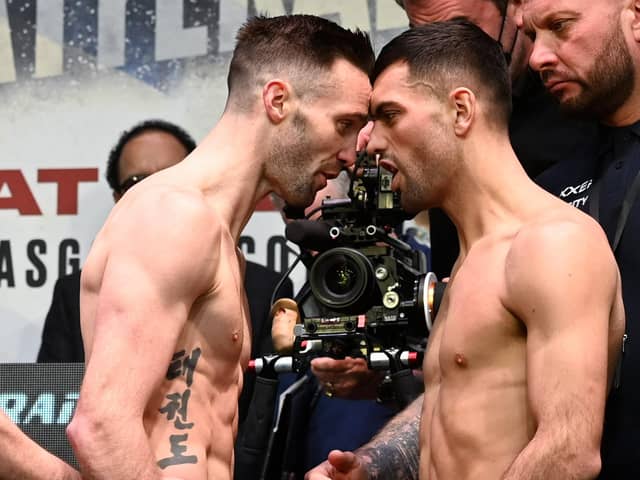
(143, 149)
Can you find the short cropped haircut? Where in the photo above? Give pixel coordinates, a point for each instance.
(301, 47)
(453, 54)
(113, 164)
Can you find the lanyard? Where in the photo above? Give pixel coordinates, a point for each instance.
(594, 210)
(629, 198)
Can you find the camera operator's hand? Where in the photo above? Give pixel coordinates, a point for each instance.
(347, 378)
(285, 316)
(363, 136)
(339, 466)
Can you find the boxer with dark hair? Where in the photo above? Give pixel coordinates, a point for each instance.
(523, 350)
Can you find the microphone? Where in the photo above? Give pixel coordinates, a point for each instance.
(293, 213)
(311, 235)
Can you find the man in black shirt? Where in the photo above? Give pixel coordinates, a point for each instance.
(587, 54)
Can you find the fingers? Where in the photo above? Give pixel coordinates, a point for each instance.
(331, 365)
(340, 466)
(344, 462)
(329, 389)
(346, 378)
(285, 316)
(321, 472)
(364, 135)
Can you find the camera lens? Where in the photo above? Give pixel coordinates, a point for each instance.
(342, 279)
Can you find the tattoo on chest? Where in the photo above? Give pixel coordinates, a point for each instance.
(177, 406)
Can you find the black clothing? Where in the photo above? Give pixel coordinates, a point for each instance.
(62, 339)
(61, 336)
(617, 165)
(541, 136)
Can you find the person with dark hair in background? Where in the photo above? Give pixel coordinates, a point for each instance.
(588, 56)
(504, 377)
(163, 310)
(142, 150)
(146, 148)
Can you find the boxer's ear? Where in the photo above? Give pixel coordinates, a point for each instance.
(463, 102)
(635, 23)
(276, 96)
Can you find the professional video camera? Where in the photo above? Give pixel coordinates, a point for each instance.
(368, 295)
(368, 292)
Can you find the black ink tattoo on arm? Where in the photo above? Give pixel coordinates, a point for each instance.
(394, 452)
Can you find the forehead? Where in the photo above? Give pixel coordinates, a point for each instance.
(534, 12)
(392, 84)
(482, 13)
(150, 151)
(349, 88)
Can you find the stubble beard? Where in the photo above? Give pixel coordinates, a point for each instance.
(426, 173)
(286, 163)
(608, 84)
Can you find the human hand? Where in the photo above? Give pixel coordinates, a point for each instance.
(347, 378)
(339, 466)
(285, 316)
(363, 136)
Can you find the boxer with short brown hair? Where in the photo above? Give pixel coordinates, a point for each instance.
(163, 311)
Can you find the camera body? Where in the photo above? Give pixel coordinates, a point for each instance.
(368, 292)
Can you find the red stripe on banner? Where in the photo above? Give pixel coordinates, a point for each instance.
(265, 205)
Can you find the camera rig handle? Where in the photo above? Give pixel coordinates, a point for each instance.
(270, 366)
(391, 359)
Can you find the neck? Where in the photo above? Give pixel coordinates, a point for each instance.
(628, 113)
(490, 191)
(227, 167)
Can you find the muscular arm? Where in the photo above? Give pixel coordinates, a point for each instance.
(563, 282)
(22, 459)
(159, 259)
(394, 452)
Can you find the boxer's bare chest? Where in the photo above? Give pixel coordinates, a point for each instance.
(473, 323)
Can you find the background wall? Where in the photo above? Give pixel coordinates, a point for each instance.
(73, 75)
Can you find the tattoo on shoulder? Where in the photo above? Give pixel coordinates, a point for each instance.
(394, 452)
(176, 409)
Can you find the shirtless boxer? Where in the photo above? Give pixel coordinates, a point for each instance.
(163, 311)
(525, 343)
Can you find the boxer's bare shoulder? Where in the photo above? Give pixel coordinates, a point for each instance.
(565, 251)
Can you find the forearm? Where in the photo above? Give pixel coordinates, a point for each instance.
(112, 449)
(23, 459)
(546, 459)
(394, 452)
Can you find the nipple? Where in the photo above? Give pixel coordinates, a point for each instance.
(460, 360)
(235, 336)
